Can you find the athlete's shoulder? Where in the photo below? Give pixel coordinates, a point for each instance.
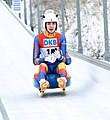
(39, 37)
(58, 35)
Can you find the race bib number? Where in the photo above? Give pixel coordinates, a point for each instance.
(48, 51)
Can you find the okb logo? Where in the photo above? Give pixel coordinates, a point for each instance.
(50, 42)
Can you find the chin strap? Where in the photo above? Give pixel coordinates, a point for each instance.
(50, 35)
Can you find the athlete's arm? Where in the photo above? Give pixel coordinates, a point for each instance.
(36, 52)
(62, 48)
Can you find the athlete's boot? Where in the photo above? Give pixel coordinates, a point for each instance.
(62, 82)
(44, 84)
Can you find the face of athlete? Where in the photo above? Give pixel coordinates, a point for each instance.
(51, 27)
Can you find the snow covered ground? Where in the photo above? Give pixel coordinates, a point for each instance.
(87, 98)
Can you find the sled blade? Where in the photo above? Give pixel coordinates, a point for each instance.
(64, 91)
(41, 94)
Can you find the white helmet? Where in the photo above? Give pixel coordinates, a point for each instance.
(50, 16)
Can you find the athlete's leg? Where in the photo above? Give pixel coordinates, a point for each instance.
(63, 75)
(43, 68)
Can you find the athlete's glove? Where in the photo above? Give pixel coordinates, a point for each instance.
(50, 58)
(57, 54)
